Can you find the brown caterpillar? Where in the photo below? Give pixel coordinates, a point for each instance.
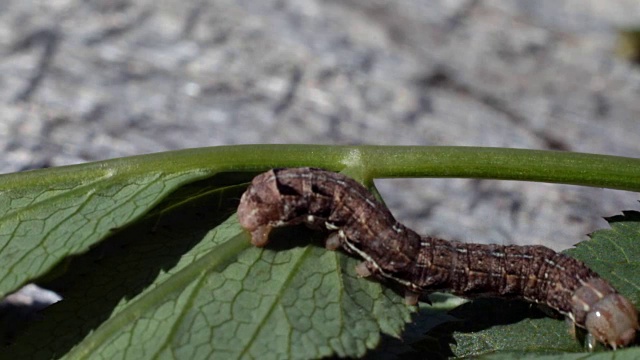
(361, 225)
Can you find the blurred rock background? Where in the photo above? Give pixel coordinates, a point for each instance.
(89, 80)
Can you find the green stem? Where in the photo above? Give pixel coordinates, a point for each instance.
(371, 162)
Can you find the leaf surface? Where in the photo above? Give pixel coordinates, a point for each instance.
(183, 283)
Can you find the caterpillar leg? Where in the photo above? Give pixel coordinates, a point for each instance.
(364, 269)
(334, 240)
(260, 236)
(572, 329)
(592, 342)
(411, 298)
(368, 268)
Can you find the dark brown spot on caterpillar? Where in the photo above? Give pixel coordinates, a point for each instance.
(362, 226)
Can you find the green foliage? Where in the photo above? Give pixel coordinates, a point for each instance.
(151, 262)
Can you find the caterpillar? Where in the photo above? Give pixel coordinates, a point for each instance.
(361, 225)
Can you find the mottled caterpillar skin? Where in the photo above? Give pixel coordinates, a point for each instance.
(361, 225)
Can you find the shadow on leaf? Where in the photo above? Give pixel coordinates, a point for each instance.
(124, 264)
(431, 335)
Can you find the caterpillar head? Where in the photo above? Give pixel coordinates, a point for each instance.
(613, 321)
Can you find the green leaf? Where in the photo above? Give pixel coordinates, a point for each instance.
(615, 253)
(494, 326)
(41, 225)
(169, 286)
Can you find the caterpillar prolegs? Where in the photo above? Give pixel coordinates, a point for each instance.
(361, 225)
